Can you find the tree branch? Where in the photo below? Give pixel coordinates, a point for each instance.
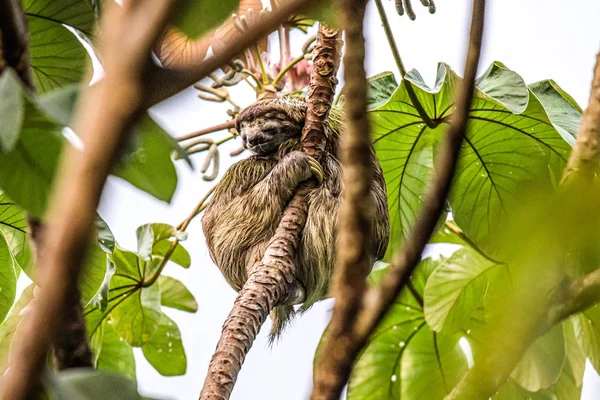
(273, 278)
(377, 301)
(102, 120)
(206, 131)
(14, 40)
(164, 83)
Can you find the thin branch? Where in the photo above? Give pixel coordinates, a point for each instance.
(206, 131)
(103, 121)
(458, 232)
(377, 301)
(409, 87)
(353, 261)
(165, 83)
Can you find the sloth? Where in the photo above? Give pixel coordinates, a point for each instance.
(248, 203)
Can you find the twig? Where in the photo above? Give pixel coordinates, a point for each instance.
(271, 279)
(409, 87)
(206, 131)
(377, 301)
(102, 120)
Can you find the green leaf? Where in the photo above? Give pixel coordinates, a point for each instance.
(149, 167)
(31, 165)
(445, 235)
(136, 313)
(503, 151)
(8, 279)
(100, 299)
(381, 88)
(174, 294)
(196, 18)
(149, 234)
(106, 240)
(10, 325)
(12, 109)
(180, 254)
(165, 351)
(404, 358)
(587, 332)
(60, 103)
(56, 55)
(77, 384)
(541, 365)
(93, 274)
(456, 289)
(13, 226)
(116, 355)
(562, 109)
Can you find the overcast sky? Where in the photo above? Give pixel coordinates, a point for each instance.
(538, 39)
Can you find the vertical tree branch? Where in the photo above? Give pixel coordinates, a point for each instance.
(102, 120)
(272, 279)
(352, 256)
(72, 348)
(342, 346)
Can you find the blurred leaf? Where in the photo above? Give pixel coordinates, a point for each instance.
(56, 55)
(196, 18)
(587, 332)
(135, 311)
(456, 289)
(404, 358)
(541, 365)
(174, 294)
(13, 226)
(116, 355)
(445, 235)
(381, 88)
(12, 109)
(8, 279)
(10, 325)
(60, 103)
(78, 384)
(165, 351)
(149, 166)
(503, 150)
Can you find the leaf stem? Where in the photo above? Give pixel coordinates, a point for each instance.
(263, 72)
(458, 232)
(287, 68)
(254, 78)
(180, 229)
(409, 87)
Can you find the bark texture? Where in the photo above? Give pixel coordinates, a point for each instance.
(272, 280)
(341, 349)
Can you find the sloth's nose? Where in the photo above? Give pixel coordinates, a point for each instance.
(252, 141)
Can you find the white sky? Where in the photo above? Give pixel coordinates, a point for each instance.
(537, 38)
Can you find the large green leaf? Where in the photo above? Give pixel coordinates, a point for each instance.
(28, 169)
(135, 311)
(13, 226)
(149, 166)
(12, 109)
(541, 365)
(404, 358)
(10, 325)
(165, 351)
(174, 294)
(381, 88)
(115, 355)
(8, 279)
(195, 18)
(156, 240)
(56, 55)
(510, 141)
(562, 109)
(456, 289)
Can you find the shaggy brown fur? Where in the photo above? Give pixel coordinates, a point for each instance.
(249, 201)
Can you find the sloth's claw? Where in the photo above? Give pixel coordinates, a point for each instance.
(316, 169)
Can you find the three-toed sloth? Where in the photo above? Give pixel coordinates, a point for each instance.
(247, 204)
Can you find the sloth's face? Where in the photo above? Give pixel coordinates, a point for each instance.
(264, 134)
